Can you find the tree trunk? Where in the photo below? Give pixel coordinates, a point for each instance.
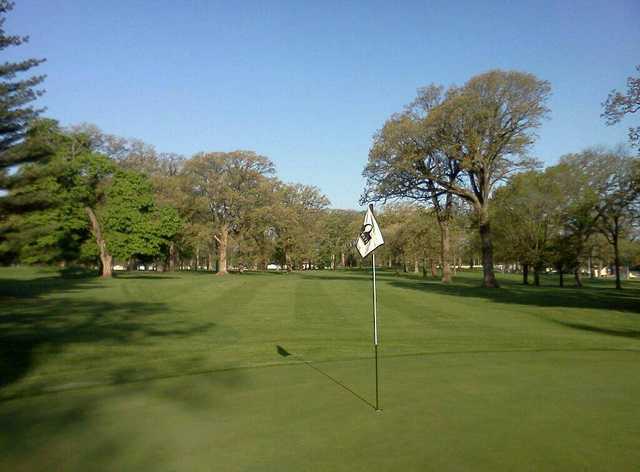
(616, 260)
(211, 258)
(343, 260)
(223, 241)
(525, 274)
(576, 276)
(333, 262)
(172, 256)
(287, 261)
(416, 266)
(489, 277)
(536, 276)
(105, 258)
(445, 249)
(432, 264)
(561, 278)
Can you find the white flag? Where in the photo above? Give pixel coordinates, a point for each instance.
(370, 236)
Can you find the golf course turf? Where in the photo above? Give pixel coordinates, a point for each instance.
(266, 371)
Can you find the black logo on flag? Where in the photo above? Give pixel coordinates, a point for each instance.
(365, 233)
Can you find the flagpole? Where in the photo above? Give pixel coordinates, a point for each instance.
(375, 328)
(369, 239)
(375, 323)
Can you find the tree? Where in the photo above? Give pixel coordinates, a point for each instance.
(488, 126)
(339, 230)
(525, 215)
(58, 195)
(618, 105)
(587, 178)
(258, 240)
(43, 140)
(169, 191)
(392, 174)
(577, 213)
(78, 192)
(393, 219)
(617, 199)
(133, 224)
(421, 239)
(468, 143)
(297, 223)
(224, 187)
(15, 96)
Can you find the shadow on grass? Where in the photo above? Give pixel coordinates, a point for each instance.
(32, 331)
(594, 297)
(284, 353)
(38, 286)
(79, 430)
(350, 276)
(144, 276)
(624, 333)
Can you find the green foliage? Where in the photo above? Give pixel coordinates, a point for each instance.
(51, 194)
(15, 94)
(55, 228)
(225, 186)
(460, 143)
(338, 231)
(133, 224)
(618, 105)
(526, 217)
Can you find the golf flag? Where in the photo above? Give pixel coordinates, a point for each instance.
(369, 239)
(370, 236)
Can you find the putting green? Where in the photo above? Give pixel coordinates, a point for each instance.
(182, 372)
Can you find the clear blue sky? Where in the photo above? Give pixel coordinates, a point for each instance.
(308, 83)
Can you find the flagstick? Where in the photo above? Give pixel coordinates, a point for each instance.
(375, 327)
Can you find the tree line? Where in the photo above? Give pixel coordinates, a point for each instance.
(466, 149)
(97, 197)
(453, 169)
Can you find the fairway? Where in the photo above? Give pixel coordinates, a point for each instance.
(270, 371)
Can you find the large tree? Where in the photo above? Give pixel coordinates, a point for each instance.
(297, 222)
(394, 173)
(478, 135)
(82, 206)
(225, 188)
(339, 230)
(62, 194)
(134, 225)
(584, 178)
(16, 94)
(618, 200)
(618, 105)
(526, 217)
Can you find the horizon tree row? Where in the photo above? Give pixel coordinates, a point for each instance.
(460, 154)
(457, 147)
(89, 196)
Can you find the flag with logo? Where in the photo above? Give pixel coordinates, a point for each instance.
(370, 236)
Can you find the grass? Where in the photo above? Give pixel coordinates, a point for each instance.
(274, 372)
